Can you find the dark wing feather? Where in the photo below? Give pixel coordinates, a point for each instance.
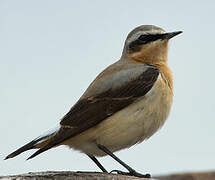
(89, 112)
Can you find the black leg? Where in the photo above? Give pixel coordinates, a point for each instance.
(132, 172)
(97, 163)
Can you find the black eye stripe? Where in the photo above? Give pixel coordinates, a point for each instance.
(149, 37)
(144, 39)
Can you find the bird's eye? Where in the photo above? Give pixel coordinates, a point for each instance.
(146, 38)
(143, 37)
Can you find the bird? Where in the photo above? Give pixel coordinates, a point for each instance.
(126, 103)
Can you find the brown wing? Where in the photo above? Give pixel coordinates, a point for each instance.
(90, 111)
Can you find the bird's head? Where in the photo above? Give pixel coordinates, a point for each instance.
(147, 44)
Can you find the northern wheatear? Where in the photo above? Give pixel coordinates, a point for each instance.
(126, 104)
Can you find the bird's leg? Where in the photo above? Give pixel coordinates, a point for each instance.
(97, 163)
(131, 172)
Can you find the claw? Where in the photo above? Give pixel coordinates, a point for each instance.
(133, 173)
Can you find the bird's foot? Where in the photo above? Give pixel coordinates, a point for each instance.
(132, 173)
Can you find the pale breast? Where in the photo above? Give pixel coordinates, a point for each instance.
(157, 107)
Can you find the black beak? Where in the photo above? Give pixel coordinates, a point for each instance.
(171, 34)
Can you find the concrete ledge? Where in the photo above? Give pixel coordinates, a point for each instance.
(68, 175)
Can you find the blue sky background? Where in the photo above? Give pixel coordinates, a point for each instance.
(51, 50)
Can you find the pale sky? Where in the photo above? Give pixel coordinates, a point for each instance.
(50, 51)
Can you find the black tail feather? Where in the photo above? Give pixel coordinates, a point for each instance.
(59, 137)
(26, 147)
(52, 139)
(38, 152)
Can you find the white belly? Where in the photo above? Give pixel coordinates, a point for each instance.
(129, 126)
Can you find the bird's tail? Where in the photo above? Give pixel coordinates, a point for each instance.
(38, 142)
